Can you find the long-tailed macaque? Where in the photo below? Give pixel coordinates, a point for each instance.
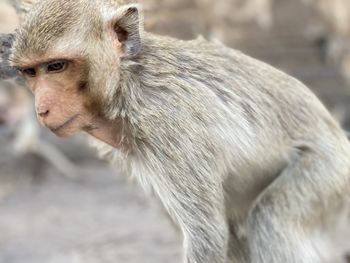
(245, 158)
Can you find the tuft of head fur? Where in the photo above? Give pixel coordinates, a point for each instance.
(48, 21)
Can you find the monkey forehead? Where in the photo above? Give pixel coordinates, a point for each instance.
(50, 20)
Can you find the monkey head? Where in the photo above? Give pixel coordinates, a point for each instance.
(70, 53)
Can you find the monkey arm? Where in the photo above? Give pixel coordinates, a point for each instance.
(304, 194)
(190, 190)
(192, 195)
(202, 222)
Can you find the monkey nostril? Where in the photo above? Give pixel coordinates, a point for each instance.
(43, 113)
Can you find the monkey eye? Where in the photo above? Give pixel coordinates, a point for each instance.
(56, 66)
(31, 72)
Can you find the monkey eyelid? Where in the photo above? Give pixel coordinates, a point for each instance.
(56, 66)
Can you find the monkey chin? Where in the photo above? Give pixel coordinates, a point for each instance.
(64, 133)
(67, 129)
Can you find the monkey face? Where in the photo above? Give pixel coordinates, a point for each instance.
(59, 89)
(74, 70)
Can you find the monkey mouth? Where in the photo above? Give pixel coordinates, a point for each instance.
(64, 125)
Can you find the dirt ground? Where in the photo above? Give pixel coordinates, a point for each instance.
(100, 216)
(100, 219)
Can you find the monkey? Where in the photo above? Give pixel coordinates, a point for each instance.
(245, 158)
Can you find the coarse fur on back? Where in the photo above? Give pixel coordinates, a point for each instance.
(245, 158)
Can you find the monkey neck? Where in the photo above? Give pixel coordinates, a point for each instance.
(106, 131)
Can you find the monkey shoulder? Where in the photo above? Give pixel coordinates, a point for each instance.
(218, 84)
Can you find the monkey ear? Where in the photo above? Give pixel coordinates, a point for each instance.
(126, 25)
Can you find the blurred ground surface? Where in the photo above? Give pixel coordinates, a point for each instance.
(102, 218)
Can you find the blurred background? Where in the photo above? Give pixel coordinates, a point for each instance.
(59, 203)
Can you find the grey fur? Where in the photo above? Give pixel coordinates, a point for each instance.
(245, 158)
